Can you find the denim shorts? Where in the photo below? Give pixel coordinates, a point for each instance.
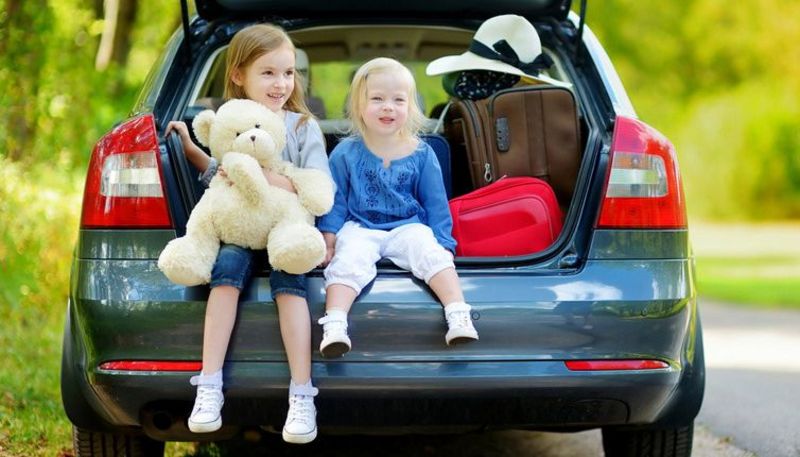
(286, 283)
(234, 267)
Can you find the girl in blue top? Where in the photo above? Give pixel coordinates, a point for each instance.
(390, 203)
(260, 66)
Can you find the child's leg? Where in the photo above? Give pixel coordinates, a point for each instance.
(289, 293)
(335, 339)
(352, 268)
(230, 273)
(220, 317)
(446, 286)
(458, 313)
(339, 297)
(295, 323)
(413, 247)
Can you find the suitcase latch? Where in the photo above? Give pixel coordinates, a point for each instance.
(502, 134)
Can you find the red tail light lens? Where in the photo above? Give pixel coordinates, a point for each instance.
(643, 186)
(124, 185)
(612, 365)
(151, 365)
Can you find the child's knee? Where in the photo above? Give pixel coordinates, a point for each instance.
(433, 262)
(353, 272)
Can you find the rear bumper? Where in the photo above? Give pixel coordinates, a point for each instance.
(408, 397)
(400, 376)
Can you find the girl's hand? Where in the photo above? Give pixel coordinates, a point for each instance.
(330, 247)
(223, 175)
(181, 129)
(278, 180)
(193, 153)
(329, 251)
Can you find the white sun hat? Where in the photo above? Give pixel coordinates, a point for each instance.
(508, 44)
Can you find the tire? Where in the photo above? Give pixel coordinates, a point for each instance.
(666, 442)
(87, 443)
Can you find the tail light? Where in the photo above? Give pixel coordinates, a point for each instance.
(643, 186)
(124, 185)
(151, 365)
(615, 365)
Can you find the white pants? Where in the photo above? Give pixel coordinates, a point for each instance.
(411, 247)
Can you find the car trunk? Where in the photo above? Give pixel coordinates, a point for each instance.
(518, 300)
(248, 9)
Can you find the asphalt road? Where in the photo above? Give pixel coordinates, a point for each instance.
(753, 378)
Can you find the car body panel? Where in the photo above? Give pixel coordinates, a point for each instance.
(128, 308)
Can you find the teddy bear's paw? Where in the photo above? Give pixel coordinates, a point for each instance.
(238, 165)
(296, 248)
(314, 189)
(317, 203)
(179, 263)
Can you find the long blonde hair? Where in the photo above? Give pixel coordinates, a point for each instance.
(358, 96)
(249, 44)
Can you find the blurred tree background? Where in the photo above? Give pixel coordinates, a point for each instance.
(721, 79)
(69, 70)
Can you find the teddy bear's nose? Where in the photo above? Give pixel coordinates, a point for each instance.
(252, 137)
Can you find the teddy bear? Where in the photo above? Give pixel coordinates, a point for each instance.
(241, 207)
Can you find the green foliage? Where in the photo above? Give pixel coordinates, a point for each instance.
(740, 155)
(763, 282)
(48, 82)
(53, 106)
(721, 80)
(34, 278)
(38, 239)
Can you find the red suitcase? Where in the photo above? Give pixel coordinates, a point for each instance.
(509, 217)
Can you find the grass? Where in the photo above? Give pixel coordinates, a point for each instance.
(32, 422)
(759, 283)
(757, 265)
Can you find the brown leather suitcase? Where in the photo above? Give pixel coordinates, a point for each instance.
(521, 131)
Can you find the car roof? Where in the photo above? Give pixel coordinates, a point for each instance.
(532, 9)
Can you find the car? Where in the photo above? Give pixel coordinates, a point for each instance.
(601, 329)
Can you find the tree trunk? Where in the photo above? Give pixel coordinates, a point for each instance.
(115, 43)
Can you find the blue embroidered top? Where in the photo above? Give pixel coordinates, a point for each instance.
(410, 190)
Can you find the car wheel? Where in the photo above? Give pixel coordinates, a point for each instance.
(101, 444)
(666, 442)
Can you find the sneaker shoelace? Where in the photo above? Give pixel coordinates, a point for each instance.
(458, 319)
(332, 326)
(301, 409)
(207, 400)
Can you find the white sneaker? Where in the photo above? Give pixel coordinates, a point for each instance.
(206, 416)
(335, 341)
(301, 420)
(459, 324)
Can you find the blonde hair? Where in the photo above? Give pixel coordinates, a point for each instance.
(358, 96)
(249, 44)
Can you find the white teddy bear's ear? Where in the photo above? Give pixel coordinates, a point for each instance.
(202, 126)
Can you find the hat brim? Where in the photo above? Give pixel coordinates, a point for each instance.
(470, 61)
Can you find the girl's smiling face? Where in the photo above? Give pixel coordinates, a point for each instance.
(385, 108)
(269, 79)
